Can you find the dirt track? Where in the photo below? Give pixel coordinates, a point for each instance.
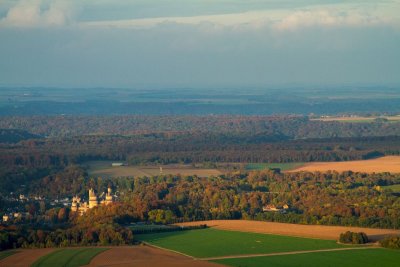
(312, 231)
(25, 257)
(145, 256)
(383, 164)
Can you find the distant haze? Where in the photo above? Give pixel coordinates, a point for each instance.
(198, 43)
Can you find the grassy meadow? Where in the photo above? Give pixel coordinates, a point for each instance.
(212, 243)
(70, 257)
(104, 169)
(345, 258)
(282, 166)
(395, 188)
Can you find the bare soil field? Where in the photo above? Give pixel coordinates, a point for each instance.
(115, 256)
(311, 231)
(383, 164)
(104, 168)
(24, 257)
(358, 118)
(145, 256)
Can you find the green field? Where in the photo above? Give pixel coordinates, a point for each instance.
(5, 254)
(394, 188)
(71, 257)
(349, 258)
(282, 166)
(212, 243)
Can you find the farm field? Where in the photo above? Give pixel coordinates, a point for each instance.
(5, 254)
(69, 257)
(345, 258)
(282, 166)
(145, 256)
(210, 242)
(104, 169)
(383, 164)
(358, 118)
(23, 257)
(395, 188)
(310, 231)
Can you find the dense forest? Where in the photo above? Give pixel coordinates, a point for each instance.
(189, 148)
(191, 139)
(277, 127)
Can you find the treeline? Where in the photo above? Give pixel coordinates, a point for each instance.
(196, 148)
(392, 242)
(169, 228)
(98, 227)
(14, 135)
(284, 127)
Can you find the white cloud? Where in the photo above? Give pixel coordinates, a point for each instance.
(352, 15)
(332, 17)
(39, 13)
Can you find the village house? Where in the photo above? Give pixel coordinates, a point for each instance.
(6, 218)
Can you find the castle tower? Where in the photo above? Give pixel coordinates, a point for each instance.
(74, 205)
(109, 198)
(92, 199)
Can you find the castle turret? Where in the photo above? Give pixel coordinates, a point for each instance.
(76, 201)
(109, 198)
(92, 199)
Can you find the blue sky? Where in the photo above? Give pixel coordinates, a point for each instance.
(190, 43)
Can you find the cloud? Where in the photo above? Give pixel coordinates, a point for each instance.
(44, 13)
(350, 15)
(39, 13)
(331, 17)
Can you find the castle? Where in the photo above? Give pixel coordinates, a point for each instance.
(82, 207)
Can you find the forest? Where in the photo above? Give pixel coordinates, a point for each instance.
(350, 199)
(42, 160)
(199, 101)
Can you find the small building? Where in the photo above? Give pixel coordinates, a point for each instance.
(273, 208)
(6, 218)
(117, 164)
(270, 208)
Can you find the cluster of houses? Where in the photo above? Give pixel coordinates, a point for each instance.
(12, 216)
(77, 205)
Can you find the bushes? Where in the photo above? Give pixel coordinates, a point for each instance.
(353, 238)
(169, 228)
(391, 242)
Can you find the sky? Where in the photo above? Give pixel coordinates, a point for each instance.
(198, 43)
